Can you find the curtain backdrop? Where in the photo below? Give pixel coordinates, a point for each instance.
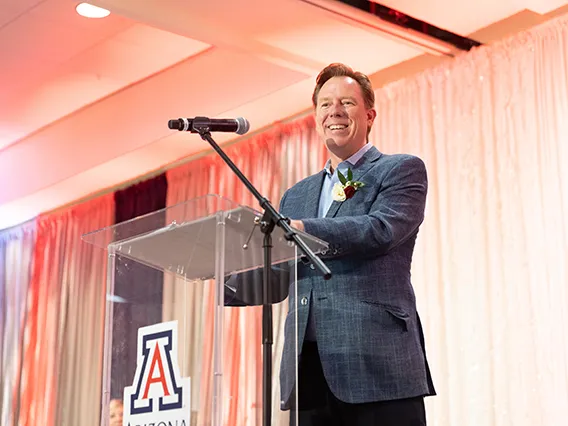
(16, 249)
(62, 349)
(490, 263)
(490, 267)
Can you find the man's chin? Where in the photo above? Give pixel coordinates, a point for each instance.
(339, 145)
(340, 142)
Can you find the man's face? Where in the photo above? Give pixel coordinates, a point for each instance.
(342, 119)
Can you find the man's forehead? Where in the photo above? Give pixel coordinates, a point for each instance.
(340, 84)
(340, 81)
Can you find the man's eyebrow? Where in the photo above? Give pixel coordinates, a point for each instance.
(326, 98)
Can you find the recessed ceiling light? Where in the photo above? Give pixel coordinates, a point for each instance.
(89, 11)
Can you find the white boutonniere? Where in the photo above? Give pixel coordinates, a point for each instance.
(346, 187)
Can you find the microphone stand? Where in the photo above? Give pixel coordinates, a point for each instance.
(269, 220)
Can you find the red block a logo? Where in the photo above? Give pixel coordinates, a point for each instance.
(157, 388)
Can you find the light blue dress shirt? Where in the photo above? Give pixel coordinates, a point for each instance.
(326, 199)
(331, 179)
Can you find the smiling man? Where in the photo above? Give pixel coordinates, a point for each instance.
(362, 360)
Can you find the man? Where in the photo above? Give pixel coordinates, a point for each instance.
(362, 358)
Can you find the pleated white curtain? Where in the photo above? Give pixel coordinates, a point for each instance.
(16, 255)
(490, 269)
(60, 370)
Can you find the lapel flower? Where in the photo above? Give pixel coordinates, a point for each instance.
(346, 187)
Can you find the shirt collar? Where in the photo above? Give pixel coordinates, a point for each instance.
(351, 160)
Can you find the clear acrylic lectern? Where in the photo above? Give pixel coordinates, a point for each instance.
(182, 334)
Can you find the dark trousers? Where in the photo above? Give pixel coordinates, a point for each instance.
(318, 406)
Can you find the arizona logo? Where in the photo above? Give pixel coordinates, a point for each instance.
(158, 393)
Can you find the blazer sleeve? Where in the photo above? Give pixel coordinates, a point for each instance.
(394, 216)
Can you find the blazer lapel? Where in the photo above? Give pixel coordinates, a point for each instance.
(313, 192)
(363, 166)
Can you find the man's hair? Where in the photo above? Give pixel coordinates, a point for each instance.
(341, 70)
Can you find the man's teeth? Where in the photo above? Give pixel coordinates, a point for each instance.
(337, 126)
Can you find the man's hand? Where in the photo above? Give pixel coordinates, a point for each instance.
(298, 224)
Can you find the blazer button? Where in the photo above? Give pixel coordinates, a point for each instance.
(312, 266)
(304, 301)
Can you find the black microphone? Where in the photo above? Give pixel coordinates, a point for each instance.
(238, 125)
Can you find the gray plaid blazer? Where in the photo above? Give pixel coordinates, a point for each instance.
(368, 332)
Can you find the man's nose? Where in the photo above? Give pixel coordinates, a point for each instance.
(337, 109)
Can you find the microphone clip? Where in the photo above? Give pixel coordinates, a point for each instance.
(199, 125)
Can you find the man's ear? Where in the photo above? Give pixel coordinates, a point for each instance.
(371, 114)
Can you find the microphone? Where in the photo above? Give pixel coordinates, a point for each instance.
(238, 125)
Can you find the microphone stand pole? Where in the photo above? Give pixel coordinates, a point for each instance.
(269, 220)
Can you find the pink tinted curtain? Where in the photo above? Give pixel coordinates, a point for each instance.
(62, 351)
(490, 269)
(16, 256)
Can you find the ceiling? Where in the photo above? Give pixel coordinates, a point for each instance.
(84, 103)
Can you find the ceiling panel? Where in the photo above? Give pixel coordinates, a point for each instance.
(332, 41)
(11, 10)
(465, 17)
(48, 35)
(98, 71)
(208, 84)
